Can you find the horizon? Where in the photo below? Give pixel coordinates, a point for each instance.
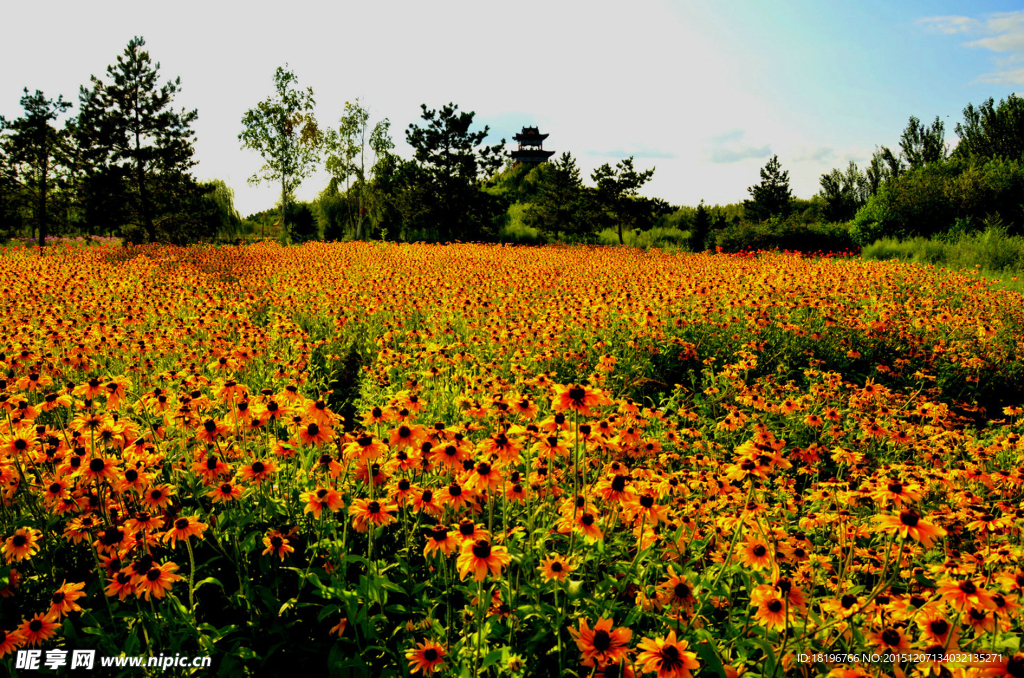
(704, 94)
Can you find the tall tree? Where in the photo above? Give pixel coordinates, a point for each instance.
(844, 193)
(454, 161)
(135, 136)
(283, 129)
(771, 197)
(990, 130)
(346, 158)
(700, 229)
(922, 144)
(617, 191)
(561, 205)
(36, 151)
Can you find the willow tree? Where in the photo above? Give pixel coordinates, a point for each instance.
(283, 129)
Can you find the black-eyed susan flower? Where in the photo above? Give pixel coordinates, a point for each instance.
(603, 644)
(426, 658)
(62, 602)
(156, 581)
(556, 567)
(321, 498)
(667, 657)
(277, 545)
(481, 557)
(22, 545)
(183, 528)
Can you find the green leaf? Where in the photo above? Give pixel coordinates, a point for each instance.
(492, 658)
(707, 652)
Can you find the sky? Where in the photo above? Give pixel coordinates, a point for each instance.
(703, 91)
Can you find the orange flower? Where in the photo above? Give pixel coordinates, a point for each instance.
(34, 631)
(909, 524)
(10, 641)
(277, 544)
(63, 600)
(667, 656)
(479, 557)
(156, 581)
(577, 398)
(366, 513)
(22, 545)
(556, 567)
(602, 644)
(320, 499)
(960, 594)
(183, 528)
(426, 658)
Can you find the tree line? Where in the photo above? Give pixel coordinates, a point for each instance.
(122, 166)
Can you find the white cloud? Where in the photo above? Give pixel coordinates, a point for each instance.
(1002, 33)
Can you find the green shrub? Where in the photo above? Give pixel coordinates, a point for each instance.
(784, 234)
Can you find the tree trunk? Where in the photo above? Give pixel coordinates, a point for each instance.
(621, 241)
(41, 211)
(284, 208)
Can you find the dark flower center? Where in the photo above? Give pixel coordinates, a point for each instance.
(226, 488)
(153, 574)
(896, 488)
(577, 394)
(276, 542)
(891, 637)
(258, 467)
(848, 601)
(313, 429)
(909, 518)
(602, 641)
(58, 598)
(968, 587)
(466, 529)
(181, 523)
(403, 431)
(556, 566)
(775, 606)
(619, 483)
(210, 425)
(373, 507)
(647, 501)
(403, 485)
(35, 626)
(681, 590)
(97, 465)
(430, 655)
(587, 519)
(939, 627)
(760, 550)
(482, 549)
(321, 493)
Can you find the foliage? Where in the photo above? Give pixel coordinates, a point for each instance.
(700, 229)
(283, 129)
(452, 161)
(992, 130)
(771, 197)
(562, 205)
(136, 149)
(929, 201)
(843, 193)
(35, 157)
(784, 234)
(617, 197)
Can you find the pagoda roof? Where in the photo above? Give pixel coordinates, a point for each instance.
(530, 134)
(532, 154)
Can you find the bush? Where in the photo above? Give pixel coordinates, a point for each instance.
(933, 199)
(656, 237)
(784, 234)
(993, 252)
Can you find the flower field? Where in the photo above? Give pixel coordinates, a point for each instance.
(467, 460)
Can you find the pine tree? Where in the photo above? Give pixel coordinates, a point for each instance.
(771, 197)
(133, 137)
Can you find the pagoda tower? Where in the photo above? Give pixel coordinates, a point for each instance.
(531, 147)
